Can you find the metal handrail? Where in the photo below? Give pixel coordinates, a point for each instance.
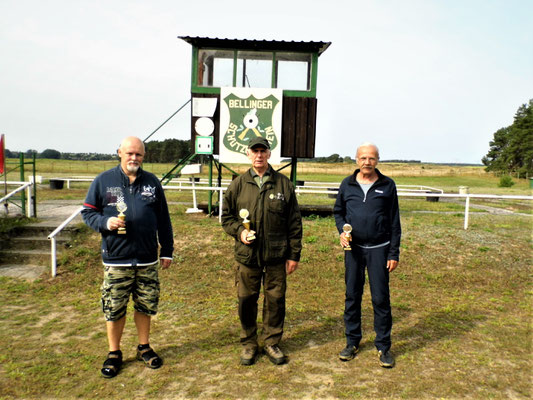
(23, 185)
(52, 237)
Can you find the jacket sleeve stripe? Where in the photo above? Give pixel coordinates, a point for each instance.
(91, 206)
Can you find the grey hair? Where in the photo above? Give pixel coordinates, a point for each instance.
(367, 144)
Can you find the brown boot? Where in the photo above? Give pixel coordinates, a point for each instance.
(275, 354)
(248, 355)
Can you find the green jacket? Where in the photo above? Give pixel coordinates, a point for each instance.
(274, 216)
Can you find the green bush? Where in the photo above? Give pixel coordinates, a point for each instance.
(506, 181)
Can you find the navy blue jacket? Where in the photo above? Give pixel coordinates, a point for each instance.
(147, 217)
(375, 218)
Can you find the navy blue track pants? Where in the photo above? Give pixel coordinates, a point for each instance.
(375, 261)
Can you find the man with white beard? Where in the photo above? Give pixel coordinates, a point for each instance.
(127, 206)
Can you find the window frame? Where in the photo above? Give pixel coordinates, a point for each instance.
(311, 75)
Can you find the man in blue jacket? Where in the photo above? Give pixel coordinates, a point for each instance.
(368, 202)
(127, 206)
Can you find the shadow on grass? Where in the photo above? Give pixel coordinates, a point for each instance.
(308, 329)
(432, 327)
(303, 331)
(216, 342)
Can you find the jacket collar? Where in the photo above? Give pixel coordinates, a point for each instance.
(270, 172)
(125, 177)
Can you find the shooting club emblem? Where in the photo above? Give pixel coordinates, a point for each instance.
(249, 118)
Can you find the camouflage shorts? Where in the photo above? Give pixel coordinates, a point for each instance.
(141, 282)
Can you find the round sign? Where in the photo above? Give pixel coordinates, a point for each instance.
(204, 126)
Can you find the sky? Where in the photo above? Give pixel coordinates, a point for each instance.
(428, 80)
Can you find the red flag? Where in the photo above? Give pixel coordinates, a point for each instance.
(2, 157)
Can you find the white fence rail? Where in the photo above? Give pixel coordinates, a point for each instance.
(467, 198)
(68, 180)
(413, 191)
(420, 192)
(21, 187)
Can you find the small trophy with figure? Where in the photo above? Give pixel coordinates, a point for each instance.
(121, 208)
(244, 214)
(347, 228)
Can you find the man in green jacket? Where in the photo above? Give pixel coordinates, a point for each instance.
(261, 212)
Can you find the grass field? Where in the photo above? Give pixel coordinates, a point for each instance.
(461, 305)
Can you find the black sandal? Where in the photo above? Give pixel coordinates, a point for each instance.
(150, 358)
(112, 364)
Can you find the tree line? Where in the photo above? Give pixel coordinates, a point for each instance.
(57, 155)
(166, 151)
(511, 149)
(510, 152)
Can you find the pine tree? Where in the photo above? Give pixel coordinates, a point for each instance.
(511, 150)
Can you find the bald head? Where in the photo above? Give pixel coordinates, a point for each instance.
(131, 153)
(367, 146)
(132, 140)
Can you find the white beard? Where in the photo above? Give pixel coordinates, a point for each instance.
(133, 167)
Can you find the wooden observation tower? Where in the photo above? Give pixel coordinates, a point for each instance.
(241, 89)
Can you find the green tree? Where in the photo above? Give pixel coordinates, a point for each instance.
(333, 158)
(11, 154)
(167, 151)
(511, 150)
(50, 153)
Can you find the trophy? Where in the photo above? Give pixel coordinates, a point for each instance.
(347, 228)
(121, 208)
(244, 214)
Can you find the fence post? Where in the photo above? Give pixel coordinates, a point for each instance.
(34, 185)
(220, 200)
(30, 208)
(467, 206)
(54, 257)
(210, 194)
(195, 205)
(22, 194)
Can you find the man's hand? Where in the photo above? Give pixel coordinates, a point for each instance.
(165, 262)
(244, 236)
(344, 242)
(113, 223)
(291, 266)
(391, 265)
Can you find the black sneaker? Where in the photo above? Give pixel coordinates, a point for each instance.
(348, 353)
(275, 354)
(386, 359)
(248, 355)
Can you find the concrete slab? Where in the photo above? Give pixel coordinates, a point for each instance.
(27, 272)
(49, 212)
